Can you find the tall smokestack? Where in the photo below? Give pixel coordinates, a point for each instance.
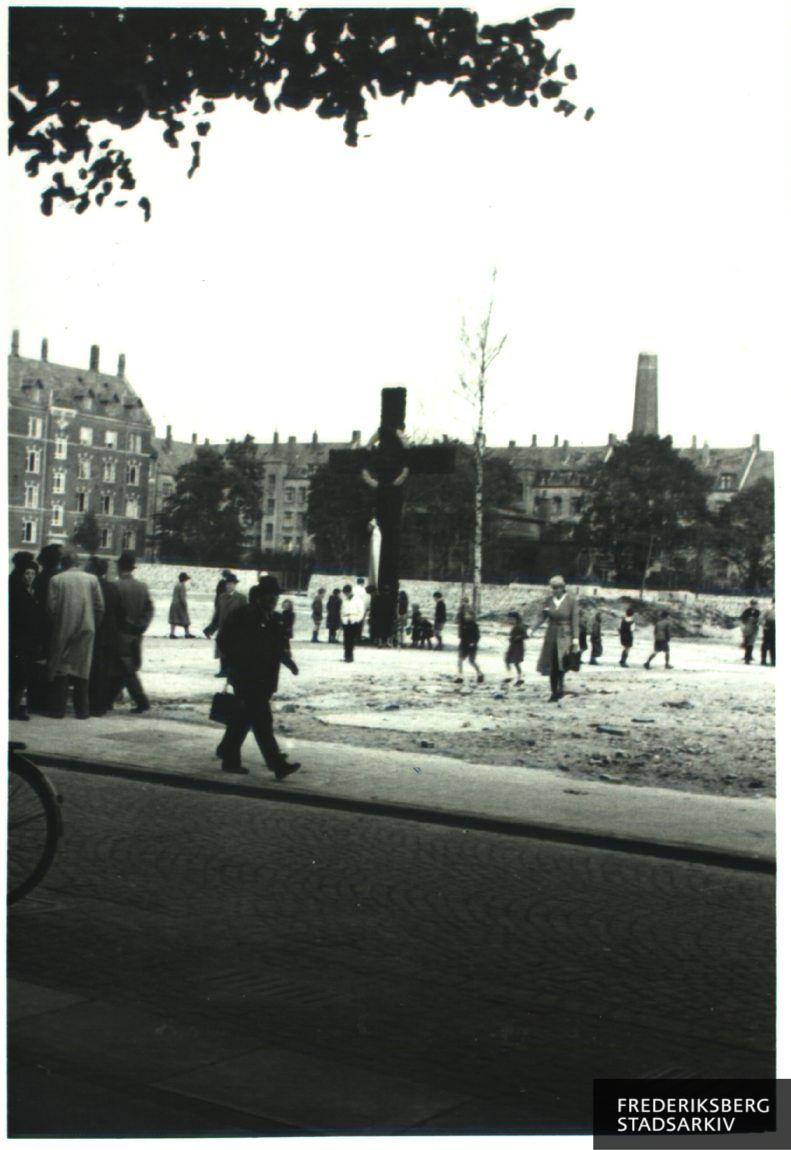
(45, 350)
(646, 415)
(169, 437)
(94, 357)
(121, 366)
(194, 438)
(15, 342)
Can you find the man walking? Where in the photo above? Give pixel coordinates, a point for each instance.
(136, 611)
(254, 643)
(317, 613)
(352, 615)
(75, 607)
(749, 621)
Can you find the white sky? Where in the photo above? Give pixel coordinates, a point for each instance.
(284, 285)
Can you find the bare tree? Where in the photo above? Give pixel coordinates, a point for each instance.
(481, 349)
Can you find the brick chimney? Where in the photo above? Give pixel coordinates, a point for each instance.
(15, 341)
(565, 445)
(534, 441)
(356, 437)
(122, 366)
(756, 443)
(694, 443)
(292, 439)
(44, 350)
(512, 443)
(611, 439)
(94, 365)
(194, 438)
(646, 416)
(168, 437)
(315, 439)
(557, 441)
(206, 441)
(706, 455)
(275, 438)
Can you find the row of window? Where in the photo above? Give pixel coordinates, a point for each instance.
(554, 505)
(291, 492)
(106, 535)
(35, 430)
(286, 541)
(84, 470)
(82, 502)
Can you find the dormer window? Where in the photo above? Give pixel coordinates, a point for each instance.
(86, 436)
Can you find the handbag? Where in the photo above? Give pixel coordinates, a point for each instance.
(572, 660)
(224, 707)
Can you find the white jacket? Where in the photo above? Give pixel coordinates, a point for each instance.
(352, 610)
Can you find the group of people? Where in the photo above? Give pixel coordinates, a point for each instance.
(752, 621)
(350, 609)
(72, 628)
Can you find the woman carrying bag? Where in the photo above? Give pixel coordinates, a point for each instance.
(560, 651)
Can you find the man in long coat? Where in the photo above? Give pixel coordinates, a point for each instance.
(254, 642)
(75, 607)
(561, 615)
(135, 612)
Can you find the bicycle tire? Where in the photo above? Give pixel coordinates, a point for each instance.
(34, 826)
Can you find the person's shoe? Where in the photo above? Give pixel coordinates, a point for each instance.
(480, 678)
(220, 675)
(234, 770)
(505, 682)
(554, 698)
(459, 679)
(647, 666)
(668, 666)
(283, 768)
(593, 662)
(520, 682)
(141, 708)
(218, 751)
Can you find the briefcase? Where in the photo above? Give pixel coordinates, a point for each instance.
(224, 707)
(571, 661)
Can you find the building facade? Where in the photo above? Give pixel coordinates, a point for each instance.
(79, 441)
(553, 477)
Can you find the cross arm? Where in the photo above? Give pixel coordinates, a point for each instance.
(431, 459)
(349, 461)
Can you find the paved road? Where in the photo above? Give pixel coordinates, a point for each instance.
(500, 970)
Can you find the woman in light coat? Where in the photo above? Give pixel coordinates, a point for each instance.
(560, 613)
(179, 612)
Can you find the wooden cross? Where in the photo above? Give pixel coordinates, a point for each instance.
(385, 464)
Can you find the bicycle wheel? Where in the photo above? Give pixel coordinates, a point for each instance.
(34, 826)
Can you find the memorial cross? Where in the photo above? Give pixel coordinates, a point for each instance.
(385, 464)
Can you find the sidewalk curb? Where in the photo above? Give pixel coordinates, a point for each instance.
(547, 832)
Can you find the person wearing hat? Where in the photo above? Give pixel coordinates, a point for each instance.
(136, 610)
(76, 608)
(749, 621)
(253, 643)
(179, 612)
(25, 632)
(560, 613)
(229, 600)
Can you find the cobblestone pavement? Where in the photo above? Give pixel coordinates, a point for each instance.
(508, 971)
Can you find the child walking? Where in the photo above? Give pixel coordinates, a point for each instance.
(661, 640)
(515, 655)
(626, 632)
(469, 638)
